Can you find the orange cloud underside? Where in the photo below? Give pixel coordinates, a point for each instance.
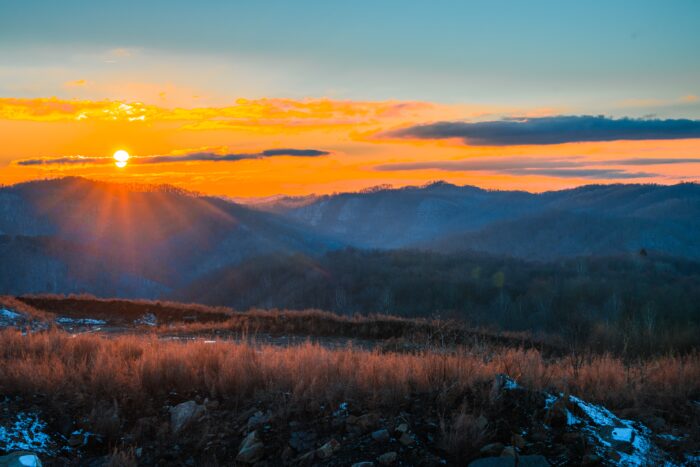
(53, 128)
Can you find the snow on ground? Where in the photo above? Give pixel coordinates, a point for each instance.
(149, 319)
(628, 438)
(26, 433)
(80, 321)
(9, 314)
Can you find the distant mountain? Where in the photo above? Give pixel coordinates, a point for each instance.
(159, 237)
(396, 218)
(590, 220)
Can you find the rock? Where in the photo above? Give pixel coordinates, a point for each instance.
(363, 464)
(388, 458)
(482, 423)
(367, 421)
(327, 450)
(492, 449)
(522, 461)
(509, 451)
(183, 414)
(75, 440)
(590, 460)
(518, 441)
(573, 438)
(381, 436)
(533, 461)
(403, 428)
(558, 414)
(20, 459)
(406, 439)
(302, 441)
(251, 449)
(258, 419)
(493, 462)
(657, 424)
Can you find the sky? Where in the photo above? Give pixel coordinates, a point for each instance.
(252, 99)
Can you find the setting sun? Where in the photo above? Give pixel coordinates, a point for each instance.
(121, 157)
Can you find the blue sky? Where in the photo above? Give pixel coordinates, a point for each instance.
(586, 55)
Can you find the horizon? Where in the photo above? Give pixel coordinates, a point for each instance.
(295, 100)
(366, 190)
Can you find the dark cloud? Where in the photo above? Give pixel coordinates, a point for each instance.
(69, 160)
(195, 156)
(554, 130)
(294, 152)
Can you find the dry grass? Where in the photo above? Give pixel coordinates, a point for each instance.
(131, 371)
(12, 303)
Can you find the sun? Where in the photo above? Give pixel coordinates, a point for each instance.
(121, 157)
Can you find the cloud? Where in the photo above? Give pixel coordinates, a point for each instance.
(523, 166)
(484, 164)
(608, 174)
(653, 161)
(249, 114)
(553, 130)
(170, 158)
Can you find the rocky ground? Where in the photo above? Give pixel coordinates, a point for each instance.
(512, 426)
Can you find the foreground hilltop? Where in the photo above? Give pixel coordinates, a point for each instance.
(114, 382)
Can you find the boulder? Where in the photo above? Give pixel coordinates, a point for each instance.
(558, 414)
(381, 436)
(509, 451)
(367, 421)
(183, 414)
(302, 441)
(492, 449)
(388, 458)
(251, 449)
(327, 450)
(406, 439)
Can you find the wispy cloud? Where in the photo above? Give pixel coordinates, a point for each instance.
(553, 130)
(170, 158)
(570, 168)
(605, 174)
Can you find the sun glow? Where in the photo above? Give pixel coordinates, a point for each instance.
(121, 157)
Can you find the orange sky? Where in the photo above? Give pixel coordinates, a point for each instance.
(353, 132)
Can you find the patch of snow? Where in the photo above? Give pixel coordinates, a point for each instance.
(9, 314)
(26, 434)
(149, 319)
(29, 460)
(81, 321)
(599, 415)
(210, 342)
(510, 384)
(549, 400)
(571, 419)
(643, 452)
(670, 437)
(623, 434)
(342, 409)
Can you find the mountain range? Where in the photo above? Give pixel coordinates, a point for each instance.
(75, 235)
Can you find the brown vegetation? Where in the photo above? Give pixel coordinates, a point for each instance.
(115, 386)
